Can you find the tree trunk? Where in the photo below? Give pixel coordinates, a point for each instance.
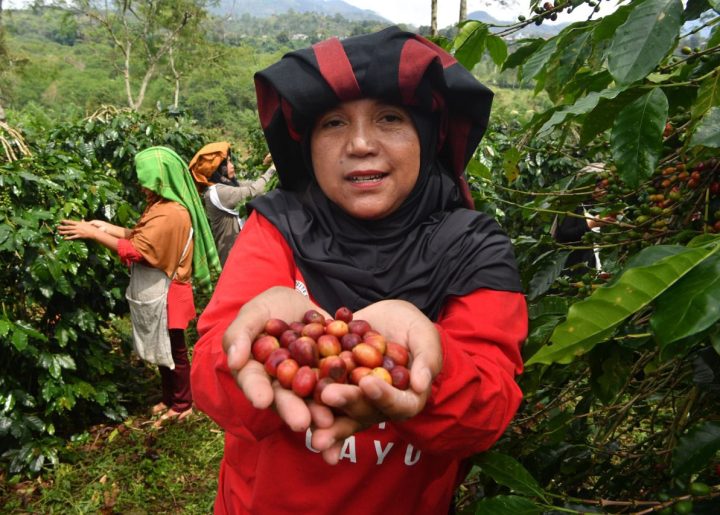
(126, 75)
(433, 18)
(143, 86)
(176, 76)
(2, 53)
(463, 11)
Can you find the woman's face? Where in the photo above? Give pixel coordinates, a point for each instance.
(230, 169)
(366, 156)
(150, 195)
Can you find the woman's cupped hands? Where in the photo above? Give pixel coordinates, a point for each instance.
(345, 408)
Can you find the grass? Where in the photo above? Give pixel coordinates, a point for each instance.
(129, 468)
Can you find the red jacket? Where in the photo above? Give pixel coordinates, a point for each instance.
(412, 467)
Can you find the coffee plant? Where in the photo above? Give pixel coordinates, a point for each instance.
(63, 334)
(621, 411)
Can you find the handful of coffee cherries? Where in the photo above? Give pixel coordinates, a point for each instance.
(306, 356)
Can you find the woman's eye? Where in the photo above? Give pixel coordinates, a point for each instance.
(391, 117)
(332, 122)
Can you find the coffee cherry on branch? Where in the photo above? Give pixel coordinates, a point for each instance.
(306, 356)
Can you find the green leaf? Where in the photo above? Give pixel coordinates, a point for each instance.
(497, 48)
(20, 340)
(607, 27)
(539, 332)
(510, 161)
(507, 471)
(646, 37)
(536, 63)
(573, 51)
(694, 8)
(707, 133)
(603, 116)
(548, 305)
(691, 305)
(636, 137)
(469, 44)
(708, 96)
(714, 38)
(65, 361)
(610, 367)
(696, 448)
(582, 106)
(35, 422)
(594, 319)
(476, 169)
(543, 278)
(519, 56)
(5, 326)
(651, 255)
(507, 505)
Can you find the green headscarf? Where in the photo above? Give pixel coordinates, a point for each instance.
(162, 171)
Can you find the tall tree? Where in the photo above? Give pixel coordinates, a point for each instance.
(144, 32)
(3, 58)
(463, 11)
(433, 18)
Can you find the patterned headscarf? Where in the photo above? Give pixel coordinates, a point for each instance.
(434, 245)
(207, 160)
(162, 171)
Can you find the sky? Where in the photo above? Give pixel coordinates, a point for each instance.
(417, 12)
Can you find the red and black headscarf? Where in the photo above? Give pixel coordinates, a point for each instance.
(432, 246)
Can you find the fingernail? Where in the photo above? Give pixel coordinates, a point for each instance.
(231, 353)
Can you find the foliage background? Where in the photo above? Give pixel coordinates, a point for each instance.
(623, 369)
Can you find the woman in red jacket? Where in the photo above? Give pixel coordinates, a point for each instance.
(370, 137)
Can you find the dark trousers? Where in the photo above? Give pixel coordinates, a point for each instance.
(176, 392)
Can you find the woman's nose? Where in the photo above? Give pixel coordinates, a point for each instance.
(362, 142)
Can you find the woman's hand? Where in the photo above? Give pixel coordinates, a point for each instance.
(373, 400)
(259, 388)
(78, 229)
(105, 234)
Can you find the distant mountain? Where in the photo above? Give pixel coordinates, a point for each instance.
(264, 8)
(485, 18)
(544, 30)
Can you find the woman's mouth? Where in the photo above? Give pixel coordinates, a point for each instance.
(366, 178)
